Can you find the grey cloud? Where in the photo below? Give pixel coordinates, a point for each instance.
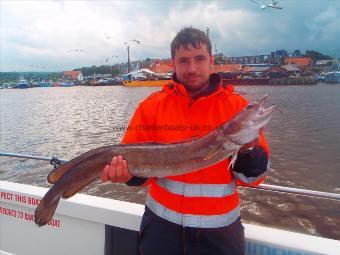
(43, 32)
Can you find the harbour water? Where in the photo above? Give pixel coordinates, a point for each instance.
(304, 142)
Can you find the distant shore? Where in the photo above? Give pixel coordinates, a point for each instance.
(272, 81)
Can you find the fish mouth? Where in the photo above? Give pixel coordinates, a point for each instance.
(264, 99)
(261, 103)
(269, 110)
(266, 111)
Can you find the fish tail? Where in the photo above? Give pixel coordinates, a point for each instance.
(78, 186)
(57, 173)
(91, 169)
(46, 208)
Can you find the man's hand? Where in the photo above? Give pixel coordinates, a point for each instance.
(117, 171)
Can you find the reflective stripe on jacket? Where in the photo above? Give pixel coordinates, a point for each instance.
(205, 198)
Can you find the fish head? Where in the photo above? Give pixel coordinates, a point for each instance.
(256, 114)
(245, 126)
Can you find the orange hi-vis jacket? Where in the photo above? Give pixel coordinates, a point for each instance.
(206, 198)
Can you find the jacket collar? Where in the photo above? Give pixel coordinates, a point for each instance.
(215, 87)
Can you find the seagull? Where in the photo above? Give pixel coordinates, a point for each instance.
(107, 36)
(136, 41)
(273, 4)
(133, 40)
(76, 50)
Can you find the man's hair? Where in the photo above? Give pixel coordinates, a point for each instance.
(190, 36)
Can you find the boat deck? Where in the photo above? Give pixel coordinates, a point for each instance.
(85, 224)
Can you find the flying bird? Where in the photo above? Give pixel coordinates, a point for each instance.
(37, 66)
(136, 41)
(273, 4)
(76, 50)
(107, 36)
(133, 40)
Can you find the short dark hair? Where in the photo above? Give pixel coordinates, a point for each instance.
(190, 36)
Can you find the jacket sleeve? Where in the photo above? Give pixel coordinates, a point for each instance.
(138, 131)
(252, 166)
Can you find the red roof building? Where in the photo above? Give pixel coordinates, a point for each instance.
(301, 62)
(162, 66)
(73, 75)
(227, 68)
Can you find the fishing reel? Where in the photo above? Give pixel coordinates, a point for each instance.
(55, 162)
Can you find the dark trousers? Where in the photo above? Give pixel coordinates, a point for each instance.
(160, 237)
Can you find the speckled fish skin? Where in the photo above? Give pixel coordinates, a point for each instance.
(156, 160)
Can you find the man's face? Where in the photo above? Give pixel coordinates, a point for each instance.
(193, 66)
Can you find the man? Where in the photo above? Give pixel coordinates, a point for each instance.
(198, 212)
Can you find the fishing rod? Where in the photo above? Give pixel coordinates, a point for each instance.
(266, 187)
(53, 160)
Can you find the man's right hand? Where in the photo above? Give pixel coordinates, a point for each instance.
(117, 171)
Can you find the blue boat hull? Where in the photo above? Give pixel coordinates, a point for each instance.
(21, 86)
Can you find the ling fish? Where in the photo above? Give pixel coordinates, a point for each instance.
(156, 160)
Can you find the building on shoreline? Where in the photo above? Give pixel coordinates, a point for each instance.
(73, 75)
(257, 59)
(302, 62)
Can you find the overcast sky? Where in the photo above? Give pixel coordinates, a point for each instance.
(61, 35)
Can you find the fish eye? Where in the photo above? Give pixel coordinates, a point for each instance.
(249, 107)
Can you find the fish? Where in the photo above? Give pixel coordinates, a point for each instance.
(157, 159)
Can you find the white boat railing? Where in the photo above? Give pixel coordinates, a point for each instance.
(266, 187)
(88, 225)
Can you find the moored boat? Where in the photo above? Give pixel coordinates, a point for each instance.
(106, 82)
(332, 77)
(22, 84)
(67, 84)
(145, 77)
(138, 83)
(56, 84)
(45, 84)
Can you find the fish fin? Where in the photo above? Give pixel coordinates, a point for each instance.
(186, 140)
(76, 188)
(45, 210)
(233, 160)
(212, 153)
(241, 138)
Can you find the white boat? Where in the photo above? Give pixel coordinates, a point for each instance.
(332, 77)
(67, 84)
(22, 84)
(45, 84)
(85, 224)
